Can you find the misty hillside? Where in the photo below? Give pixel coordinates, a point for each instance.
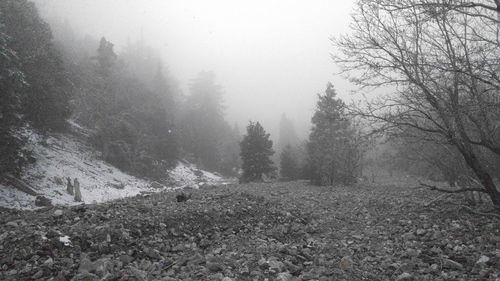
(63, 156)
(250, 140)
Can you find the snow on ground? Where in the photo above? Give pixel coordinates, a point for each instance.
(188, 175)
(63, 156)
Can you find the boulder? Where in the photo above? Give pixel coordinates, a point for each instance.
(42, 201)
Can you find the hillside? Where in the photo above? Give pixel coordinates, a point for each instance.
(285, 231)
(65, 156)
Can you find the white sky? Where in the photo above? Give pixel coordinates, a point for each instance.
(271, 57)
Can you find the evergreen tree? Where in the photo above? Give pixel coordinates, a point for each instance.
(45, 99)
(12, 156)
(203, 122)
(106, 57)
(288, 135)
(332, 148)
(256, 150)
(288, 164)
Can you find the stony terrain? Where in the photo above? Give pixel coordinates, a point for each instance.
(278, 231)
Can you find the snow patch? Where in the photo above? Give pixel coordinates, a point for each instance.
(65, 240)
(64, 156)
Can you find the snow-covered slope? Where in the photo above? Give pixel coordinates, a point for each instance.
(63, 156)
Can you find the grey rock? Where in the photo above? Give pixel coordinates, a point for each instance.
(42, 201)
(284, 276)
(404, 276)
(11, 224)
(58, 213)
(483, 260)
(346, 263)
(85, 276)
(214, 267)
(451, 264)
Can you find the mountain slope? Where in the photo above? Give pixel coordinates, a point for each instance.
(63, 156)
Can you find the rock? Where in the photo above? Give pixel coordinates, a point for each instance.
(49, 262)
(204, 243)
(214, 267)
(85, 276)
(152, 253)
(421, 232)
(244, 270)
(42, 201)
(434, 267)
(346, 263)
(408, 236)
(85, 264)
(58, 180)
(118, 185)
(404, 276)
(276, 266)
(126, 259)
(11, 224)
(451, 264)
(284, 276)
(357, 237)
(263, 263)
(227, 279)
(182, 197)
(294, 269)
(37, 275)
(483, 260)
(58, 213)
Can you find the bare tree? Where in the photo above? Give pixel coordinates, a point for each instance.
(440, 61)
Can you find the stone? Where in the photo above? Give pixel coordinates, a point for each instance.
(408, 236)
(346, 263)
(284, 276)
(11, 224)
(85, 276)
(214, 267)
(48, 262)
(483, 260)
(58, 213)
(42, 201)
(152, 253)
(37, 275)
(404, 276)
(276, 266)
(434, 267)
(451, 264)
(85, 265)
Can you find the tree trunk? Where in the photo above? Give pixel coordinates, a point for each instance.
(483, 176)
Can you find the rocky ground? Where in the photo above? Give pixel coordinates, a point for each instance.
(279, 231)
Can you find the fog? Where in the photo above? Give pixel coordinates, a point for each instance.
(270, 57)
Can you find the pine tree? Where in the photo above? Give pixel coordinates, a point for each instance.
(45, 99)
(332, 151)
(256, 150)
(288, 164)
(11, 82)
(203, 122)
(106, 57)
